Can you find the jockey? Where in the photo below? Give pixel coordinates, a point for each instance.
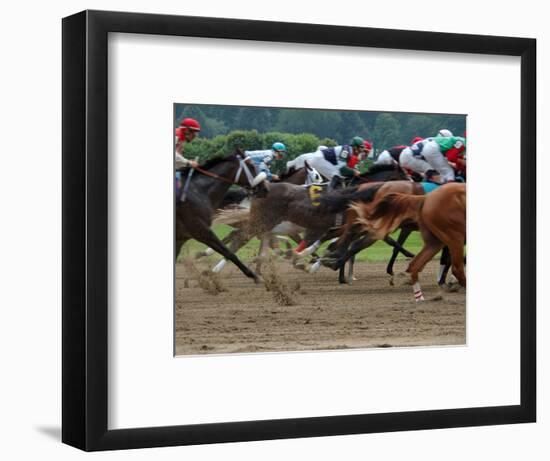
(430, 154)
(455, 157)
(369, 151)
(262, 160)
(333, 162)
(186, 132)
(390, 156)
(358, 156)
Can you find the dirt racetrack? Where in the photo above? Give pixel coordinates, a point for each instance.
(246, 317)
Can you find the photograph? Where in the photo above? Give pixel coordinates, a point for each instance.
(308, 229)
(274, 244)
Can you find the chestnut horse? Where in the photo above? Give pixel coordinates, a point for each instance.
(352, 238)
(441, 218)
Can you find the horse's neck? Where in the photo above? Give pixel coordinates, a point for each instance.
(382, 176)
(217, 188)
(297, 178)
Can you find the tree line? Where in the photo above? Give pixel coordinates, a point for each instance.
(383, 129)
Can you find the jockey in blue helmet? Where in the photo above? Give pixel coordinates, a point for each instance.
(262, 160)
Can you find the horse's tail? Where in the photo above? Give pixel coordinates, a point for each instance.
(232, 217)
(388, 214)
(338, 201)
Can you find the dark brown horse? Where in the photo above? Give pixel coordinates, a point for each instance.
(237, 215)
(441, 218)
(352, 238)
(205, 191)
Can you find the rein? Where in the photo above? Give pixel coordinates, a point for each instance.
(213, 175)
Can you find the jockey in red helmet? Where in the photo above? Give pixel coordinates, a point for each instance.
(186, 132)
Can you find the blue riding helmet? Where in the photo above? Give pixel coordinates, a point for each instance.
(278, 147)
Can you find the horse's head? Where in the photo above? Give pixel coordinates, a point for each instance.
(313, 176)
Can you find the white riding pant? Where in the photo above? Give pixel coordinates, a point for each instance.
(385, 158)
(413, 162)
(316, 160)
(438, 161)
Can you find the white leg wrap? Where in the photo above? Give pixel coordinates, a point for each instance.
(309, 250)
(418, 296)
(218, 267)
(209, 252)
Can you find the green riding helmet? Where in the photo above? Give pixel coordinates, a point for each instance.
(358, 141)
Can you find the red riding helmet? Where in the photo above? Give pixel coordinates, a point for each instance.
(416, 139)
(190, 124)
(187, 124)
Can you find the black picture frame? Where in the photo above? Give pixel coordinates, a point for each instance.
(85, 229)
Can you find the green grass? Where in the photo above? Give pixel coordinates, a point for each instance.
(380, 251)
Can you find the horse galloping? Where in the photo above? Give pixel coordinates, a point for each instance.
(441, 218)
(204, 192)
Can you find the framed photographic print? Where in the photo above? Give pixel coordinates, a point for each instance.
(265, 229)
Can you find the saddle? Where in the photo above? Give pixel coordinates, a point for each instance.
(330, 155)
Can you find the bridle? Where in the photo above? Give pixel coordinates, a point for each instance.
(243, 167)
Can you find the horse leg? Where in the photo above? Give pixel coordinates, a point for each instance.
(209, 238)
(209, 251)
(403, 235)
(262, 251)
(357, 246)
(179, 244)
(351, 263)
(457, 259)
(236, 240)
(444, 266)
(431, 246)
(391, 242)
(342, 274)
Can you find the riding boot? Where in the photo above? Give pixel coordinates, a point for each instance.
(335, 183)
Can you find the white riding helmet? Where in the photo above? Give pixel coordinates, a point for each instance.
(445, 133)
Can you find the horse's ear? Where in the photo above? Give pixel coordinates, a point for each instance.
(239, 151)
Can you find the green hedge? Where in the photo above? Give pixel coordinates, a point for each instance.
(296, 144)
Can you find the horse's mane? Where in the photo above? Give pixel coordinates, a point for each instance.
(288, 173)
(217, 160)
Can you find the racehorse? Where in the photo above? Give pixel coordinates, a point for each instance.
(237, 217)
(297, 204)
(352, 238)
(205, 190)
(441, 218)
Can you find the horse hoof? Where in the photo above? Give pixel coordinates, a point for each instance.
(314, 267)
(330, 263)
